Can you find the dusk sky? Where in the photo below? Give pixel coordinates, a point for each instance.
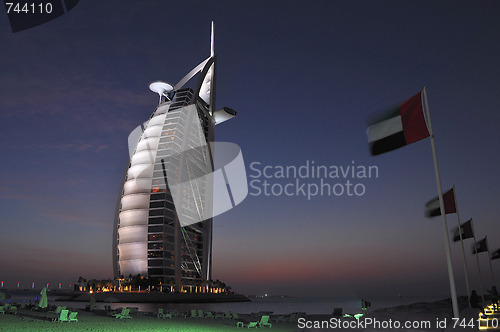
(303, 77)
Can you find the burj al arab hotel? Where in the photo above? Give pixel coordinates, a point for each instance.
(163, 219)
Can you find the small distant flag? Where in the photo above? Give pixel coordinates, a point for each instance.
(479, 246)
(432, 208)
(402, 125)
(467, 231)
(495, 254)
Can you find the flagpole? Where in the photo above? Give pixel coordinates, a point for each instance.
(489, 258)
(462, 243)
(443, 214)
(477, 260)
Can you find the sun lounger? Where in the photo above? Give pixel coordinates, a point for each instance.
(249, 325)
(125, 313)
(63, 316)
(54, 314)
(264, 322)
(115, 311)
(72, 316)
(209, 314)
(356, 316)
(162, 314)
(176, 313)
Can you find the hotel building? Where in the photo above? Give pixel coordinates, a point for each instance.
(161, 227)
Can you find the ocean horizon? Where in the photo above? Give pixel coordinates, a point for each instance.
(276, 305)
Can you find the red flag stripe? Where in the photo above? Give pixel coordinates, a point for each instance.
(412, 118)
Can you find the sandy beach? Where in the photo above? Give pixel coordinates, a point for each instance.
(27, 320)
(437, 315)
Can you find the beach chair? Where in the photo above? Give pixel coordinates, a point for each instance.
(356, 316)
(209, 314)
(264, 321)
(162, 314)
(175, 313)
(2, 309)
(227, 315)
(194, 314)
(234, 315)
(54, 314)
(12, 310)
(200, 313)
(249, 325)
(125, 313)
(63, 316)
(72, 316)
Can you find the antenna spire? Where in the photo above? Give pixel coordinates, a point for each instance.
(212, 40)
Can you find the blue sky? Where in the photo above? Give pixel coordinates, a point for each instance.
(303, 78)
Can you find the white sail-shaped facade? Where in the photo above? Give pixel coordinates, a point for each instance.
(163, 220)
(134, 211)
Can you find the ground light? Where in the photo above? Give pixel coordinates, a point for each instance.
(490, 318)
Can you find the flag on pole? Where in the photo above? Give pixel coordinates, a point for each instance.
(479, 246)
(403, 125)
(467, 231)
(432, 207)
(495, 254)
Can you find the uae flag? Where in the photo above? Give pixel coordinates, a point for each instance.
(466, 229)
(495, 254)
(398, 127)
(432, 208)
(479, 246)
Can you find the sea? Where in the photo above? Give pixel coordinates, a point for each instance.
(271, 304)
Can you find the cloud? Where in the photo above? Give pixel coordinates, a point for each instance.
(73, 96)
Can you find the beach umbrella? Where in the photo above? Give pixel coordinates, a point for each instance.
(43, 299)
